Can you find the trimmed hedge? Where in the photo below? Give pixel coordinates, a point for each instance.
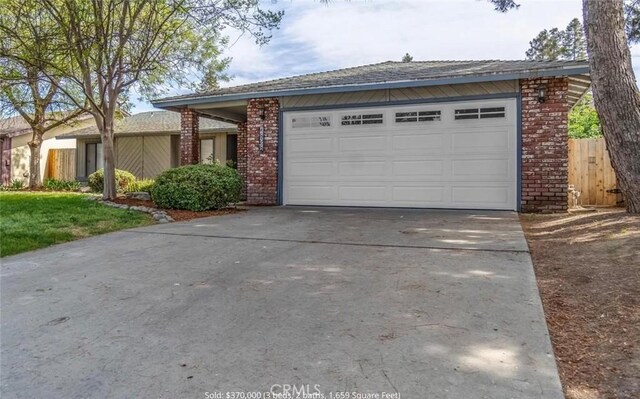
(142, 185)
(197, 187)
(123, 180)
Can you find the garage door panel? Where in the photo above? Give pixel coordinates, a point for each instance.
(310, 144)
(362, 168)
(446, 163)
(480, 142)
(429, 143)
(307, 193)
(311, 169)
(363, 193)
(434, 195)
(484, 169)
(417, 168)
(484, 194)
(363, 143)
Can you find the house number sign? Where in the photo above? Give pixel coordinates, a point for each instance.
(261, 139)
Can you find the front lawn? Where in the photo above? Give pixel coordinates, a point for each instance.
(32, 220)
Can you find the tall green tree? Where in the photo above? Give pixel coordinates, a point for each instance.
(31, 65)
(545, 46)
(583, 120)
(609, 28)
(555, 44)
(116, 45)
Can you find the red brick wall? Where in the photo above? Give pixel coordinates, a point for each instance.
(242, 156)
(189, 137)
(262, 166)
(544, 146)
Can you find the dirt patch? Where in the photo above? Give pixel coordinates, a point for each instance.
(178, 214)
(588, 271)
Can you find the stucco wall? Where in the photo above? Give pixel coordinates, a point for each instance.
(20, 153)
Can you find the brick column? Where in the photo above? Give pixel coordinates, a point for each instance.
(242, 157)
(189, 137)
(262, 165)
(544, 146)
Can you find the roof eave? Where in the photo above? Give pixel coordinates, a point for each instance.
(164, 133)
(182, 102)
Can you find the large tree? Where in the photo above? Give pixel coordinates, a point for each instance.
(117, 45)
(31, 62)
(609, 24)
(556, 44)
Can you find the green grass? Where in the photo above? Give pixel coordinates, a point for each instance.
(32, 220)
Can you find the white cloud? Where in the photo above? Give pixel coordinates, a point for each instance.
(318, 37)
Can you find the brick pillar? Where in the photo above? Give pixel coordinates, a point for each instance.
(544, 146)
(242, 157)
(189, 137)
(262, 165)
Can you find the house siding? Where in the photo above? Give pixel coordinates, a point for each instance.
(404, 94)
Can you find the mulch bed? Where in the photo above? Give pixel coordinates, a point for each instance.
(178, 214)
(588, 271)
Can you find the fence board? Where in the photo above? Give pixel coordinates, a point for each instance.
(61, 164)
(590, 171)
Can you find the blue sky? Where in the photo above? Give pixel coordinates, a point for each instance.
(317, 37)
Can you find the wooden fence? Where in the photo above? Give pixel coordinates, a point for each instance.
(61, 164)
(590, 172)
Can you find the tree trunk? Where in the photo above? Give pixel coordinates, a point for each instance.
(35, 145)
(110, 190)
(615, 93)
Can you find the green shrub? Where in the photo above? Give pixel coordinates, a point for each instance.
(197, 187)
(123, 179)
(60, 185)
(140, 185)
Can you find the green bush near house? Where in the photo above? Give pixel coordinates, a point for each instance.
(583, 120)
(60, 185)
(197, 187)
(144, 185)
(123, 180)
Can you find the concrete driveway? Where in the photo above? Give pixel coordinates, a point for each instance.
(429, 304)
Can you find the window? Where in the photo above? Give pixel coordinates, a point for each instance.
(207, 150)
(361, 119)
(310, 121)
(418, 116)
(479, 113)
(232, 150)
(496, 112)
(93, 158)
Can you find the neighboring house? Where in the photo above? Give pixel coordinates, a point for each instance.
(145, 144)
(434, 134)
(15, 156)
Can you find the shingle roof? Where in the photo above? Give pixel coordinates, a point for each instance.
(17, 126)
(152, 122)
(390, 71)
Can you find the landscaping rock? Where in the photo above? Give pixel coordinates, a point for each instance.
(139, 195)
(85, 189)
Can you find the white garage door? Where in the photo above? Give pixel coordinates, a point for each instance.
(443, 155)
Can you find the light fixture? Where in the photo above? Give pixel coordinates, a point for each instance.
(542, 93)
(262, 114)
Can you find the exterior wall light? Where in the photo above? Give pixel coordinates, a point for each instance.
(262, 113)
(542, 93)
